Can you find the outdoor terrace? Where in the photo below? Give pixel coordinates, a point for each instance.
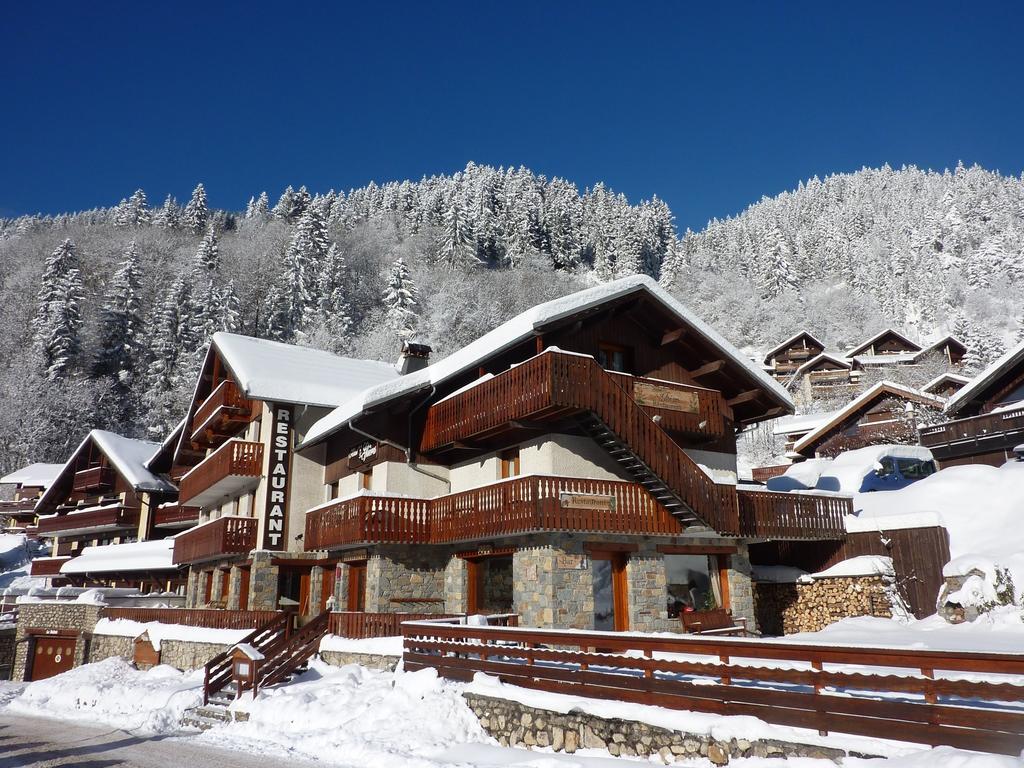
(974, 434)
(230, 470)
(90, 521)
(208, 541)
(221, 414)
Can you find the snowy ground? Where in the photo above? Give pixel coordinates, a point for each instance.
(352, 716)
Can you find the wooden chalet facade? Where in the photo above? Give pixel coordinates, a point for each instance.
(105, 495)
(783, 361)
(18, 514)
(945, 385)
(576, 466)
(885, 413)
(988, 416)
(234, 461)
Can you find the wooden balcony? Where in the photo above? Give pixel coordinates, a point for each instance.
(977, 434)
(221, 414)
(47, 566)
(545, 504)
(232, 469)
(221, 537)
(112, 518)
(175, 516)
(94, 479)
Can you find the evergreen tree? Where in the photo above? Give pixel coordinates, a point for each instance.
(169, 215)
(455, 246)
(196, 215)
(172, 337)
(121, 328)
(207, 258)
(401, 300)
(58, 320)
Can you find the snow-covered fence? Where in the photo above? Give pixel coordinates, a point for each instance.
(891, 693)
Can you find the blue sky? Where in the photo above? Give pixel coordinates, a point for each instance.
(710, 108)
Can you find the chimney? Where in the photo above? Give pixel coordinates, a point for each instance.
(414, 357)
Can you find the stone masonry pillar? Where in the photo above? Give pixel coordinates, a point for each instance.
(263, 582)
(456, 586)
(647, 591)
(741, 589)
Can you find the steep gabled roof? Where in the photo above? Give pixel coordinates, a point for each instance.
(881, 389)
(950, 340)
(943, 378)
(980, 385)
(842, 362)
(887, 332)
(788, 342)
(525, 326)
(34, 475)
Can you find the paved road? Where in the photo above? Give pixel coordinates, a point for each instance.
(30, 742)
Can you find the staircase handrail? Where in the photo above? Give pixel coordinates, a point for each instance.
(217, 671)
(286, 655)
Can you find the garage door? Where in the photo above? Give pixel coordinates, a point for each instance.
(51, 656)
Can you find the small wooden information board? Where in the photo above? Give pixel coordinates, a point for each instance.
(668, 398)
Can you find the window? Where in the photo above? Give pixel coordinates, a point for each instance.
(612, 357)
(915, 469)
(694, 583)
(885, 467)
(509, 463)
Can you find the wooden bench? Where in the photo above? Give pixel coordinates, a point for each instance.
(718, 621)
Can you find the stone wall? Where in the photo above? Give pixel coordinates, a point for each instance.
(515, 724)
(791, 608)
(7, 646)
(368, 660)
(105, 646)
(398, 573)
(187, 655)
(72, 617)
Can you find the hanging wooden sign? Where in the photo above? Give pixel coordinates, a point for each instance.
(587, 501)
(668, 398)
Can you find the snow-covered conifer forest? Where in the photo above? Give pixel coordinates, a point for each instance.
(104, 314)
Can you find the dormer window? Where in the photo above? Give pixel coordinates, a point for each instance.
(613, 357)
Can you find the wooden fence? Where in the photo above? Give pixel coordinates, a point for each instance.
(195, 617)
(357, 624)
(892, 694)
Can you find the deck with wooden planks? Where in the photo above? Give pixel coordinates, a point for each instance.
(895, 694)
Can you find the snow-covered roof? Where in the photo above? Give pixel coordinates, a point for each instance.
(795, 337)
(524, 326)
(1012, 358)
(887, 332)
(889, 359)
(887, 386)
(862, 565)
(942, 378)
(34, 475)
(801, 422)
(944, 341)
(840, 361)
(137, 556)
(287, 373)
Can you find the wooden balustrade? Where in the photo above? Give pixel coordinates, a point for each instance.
(94, 478)
(357, 624)
(110, 518)
(223, 536)
(777, 515)
(47, 566)
(691, 406)
(236, 458)
(884, 693)
(194, 617)
(971, 429)
(225, 409)
(172, 515)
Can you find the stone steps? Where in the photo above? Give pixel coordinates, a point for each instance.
(210, 716)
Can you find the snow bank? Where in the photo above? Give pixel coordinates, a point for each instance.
(383, 646)
(114, 693)
(159, 632)
(846, 472)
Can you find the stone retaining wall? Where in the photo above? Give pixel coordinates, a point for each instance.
(518, 725)
(7, 647)
(368, 660)
(791, 608)
(106, 646)
(77, 618)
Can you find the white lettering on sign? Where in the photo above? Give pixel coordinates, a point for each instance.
(275, 513)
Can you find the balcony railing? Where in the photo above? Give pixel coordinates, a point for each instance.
(174, 516)
(47, 566)
(973, 430)
(223, 536)
(232, 469)
(114, 517)
(94, 479)
(529, 504)
(18, 506)
(223, 411)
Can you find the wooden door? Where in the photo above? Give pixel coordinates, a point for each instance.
(51, 656)
(225, 583)
(327, 589)
(611, 606)
(243, 590)
(304, 593)
(473, 575)
(357, 587)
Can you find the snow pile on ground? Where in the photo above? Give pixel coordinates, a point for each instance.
(355, 716)
(383, 646)
(114, 693)
(159, 632)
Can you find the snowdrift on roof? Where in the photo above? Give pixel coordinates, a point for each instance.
(34, 475)
(136, 556)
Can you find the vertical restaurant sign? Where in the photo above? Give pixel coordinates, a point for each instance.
(275, 526)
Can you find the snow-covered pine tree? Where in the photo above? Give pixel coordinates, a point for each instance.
(64, 342)
(207, 258)
(121, 325)
(455, 246)
(172, 337)
(196, 215)
(169, 214)
(401, 300)
(133, 212)
(291, 205)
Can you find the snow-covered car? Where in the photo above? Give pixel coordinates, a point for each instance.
(874, 468)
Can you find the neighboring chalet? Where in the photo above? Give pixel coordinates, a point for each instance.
(945, 385)
(989, 416)
(885, 413)
(949, 348)
(234, 460)
(884, 348)
(576, 466)
(827, 375)
(105, 495)
(782, 361)
(18, 514)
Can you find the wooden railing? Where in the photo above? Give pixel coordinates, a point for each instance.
(47, 566)
(94, 478)
(236, 458)
(711, 410)
(764, 474)
(195, 617)
(217, 671)
(115, 516)
(223, 536)
(775, 515)
(175, 514)
(787, 684)
(17, 506)
(556, 383)
(225, 400)
(356, 624)
(287, 653)
(972, 428)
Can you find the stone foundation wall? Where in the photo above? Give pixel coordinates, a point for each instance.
(7, 646)
(187, 655)
(105, 646)
(71, 617)
(515, 724)
(791, 608)
(368, 660)
(398, 573)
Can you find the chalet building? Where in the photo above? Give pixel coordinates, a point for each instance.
(949, 348)
(576, 466)
(884, 348)
(18, 512)
(233, 459)
(782, 361)
(988, 415)
(827, 375)
(945, 385)
(885, 413)
(105, 495)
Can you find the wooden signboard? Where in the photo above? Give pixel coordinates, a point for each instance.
(668, 398)
(275, 531)
(587, 501)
